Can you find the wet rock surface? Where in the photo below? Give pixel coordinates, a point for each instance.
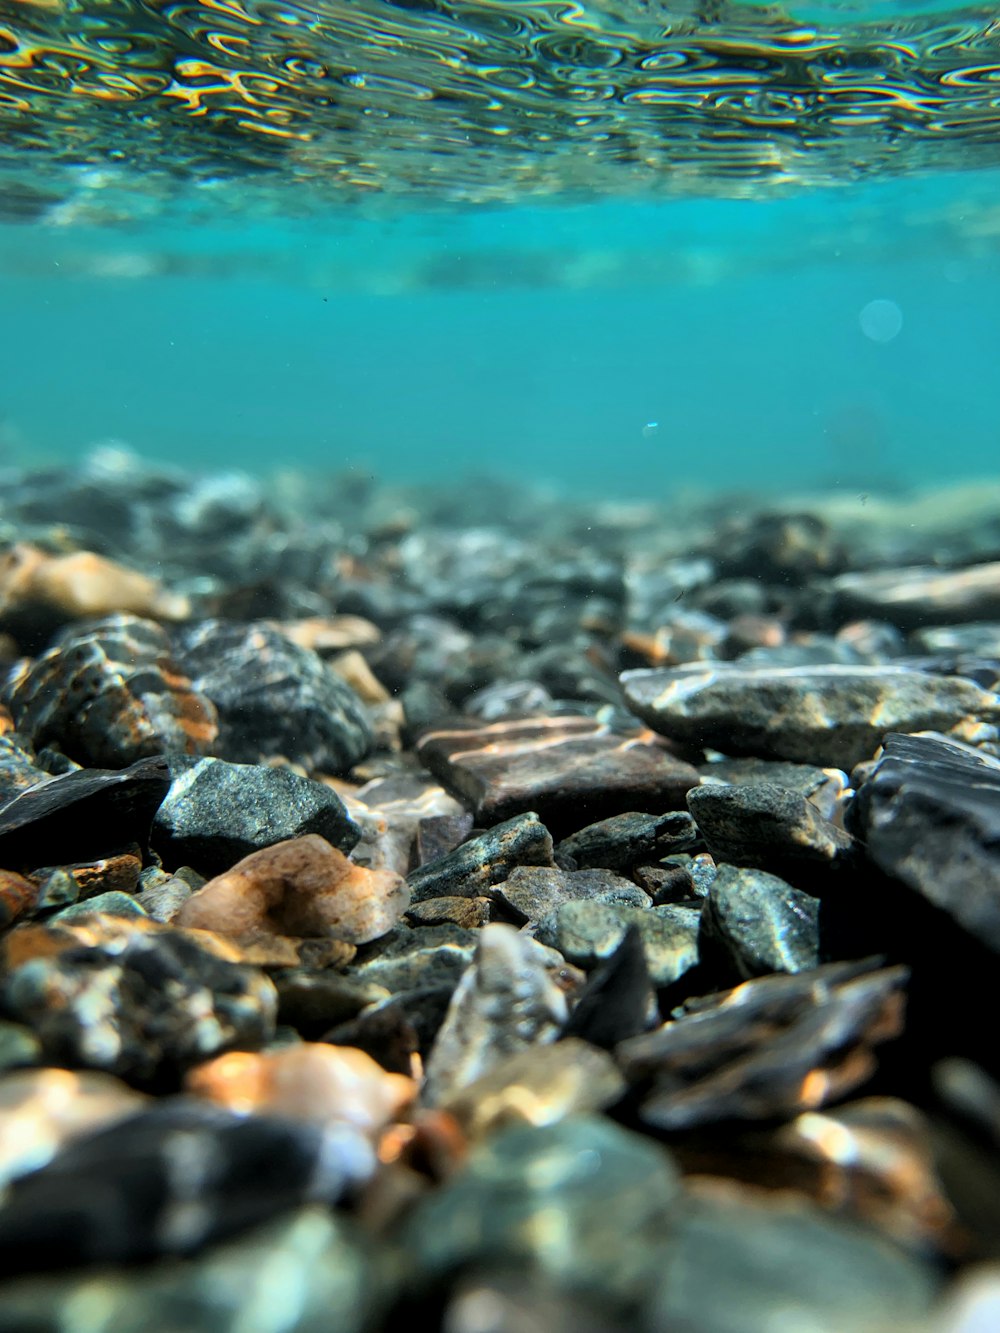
(411, 915)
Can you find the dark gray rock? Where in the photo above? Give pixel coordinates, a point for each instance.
(627, 840)
(215, 813)
(583, 1204)
(274, 698)
(929, 816)
(826, 715)
(531, 892)
(770, 827)
(760, 923)
(918, 596)
(113, 903)
(617, 1001)
(585, 933)
(822, 787)
(475, 866)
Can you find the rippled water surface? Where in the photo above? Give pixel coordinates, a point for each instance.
(483, 101)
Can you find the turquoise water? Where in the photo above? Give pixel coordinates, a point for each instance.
(590, 326)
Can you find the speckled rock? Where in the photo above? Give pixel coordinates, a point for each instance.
(587, 932)
(768, 826)
(274, 697)
(299, 887)
(583, 1204)
(627, 840)
(530, 893)
(132, 997)
(474, 867)
(111, 693)
(617, 1001)
(822, 715)
(505, 1001)
(216, 813)
(761, 924)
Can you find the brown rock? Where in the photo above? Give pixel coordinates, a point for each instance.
(302, 887)
(82, 584)
(469, 912)
(18, 895)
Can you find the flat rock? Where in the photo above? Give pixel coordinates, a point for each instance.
(822, 787)
(617, 1001)
(470, 913)
(627, 840)
(768, 826)
(585, 933)
(760, 923)
(531, 892)
(929, 816)
(274, 697)
(825, 715)
(917, 596)
(216, 813)
(82, 814)
(570, 770)
(770, 1048)
(474, 867)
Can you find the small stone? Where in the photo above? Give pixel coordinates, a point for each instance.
(530, 893)
(761, 923)
(471, 913)
(474, 867)
(538, 1086)
(118, 873)
(308, 1081)
(583, 1204)
(440, 834)
(314, 1002)
(772, 1047)
(585, 933)
(770, 827)
(18, 1046)
(274, 697)
(112, 904)
(505, 1001)
(18, 897)
(299, 887)
(164, 901)
(822, 787)
(216, 813)
(825, 715)
(617, 1000)
(624, 841)
(570, 770)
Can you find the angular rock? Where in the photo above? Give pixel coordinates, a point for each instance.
(18, 770)
(275, 698)
(625, 841)
(760, 923)
(170, 1180)
(822, 787)
(770, 1048)
(826, 715)
(583, 1204)
(770, 827)
(506, 1001)
(216, 813)
(301, 887)
(18, 897)
(82, 813)
(531, 892)
(585, 933)
(929, 816)
(132, 997)
(109, 694)
(617, 1000)
(570, 770)
(469, 913)
(474, 867)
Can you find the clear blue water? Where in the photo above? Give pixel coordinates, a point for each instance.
(628, 342)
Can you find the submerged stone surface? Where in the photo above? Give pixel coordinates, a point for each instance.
(474, 867)
(834, 715)
(760, 923)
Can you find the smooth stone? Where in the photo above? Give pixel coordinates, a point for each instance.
(770, 827)
(164, 901)
(530, 892)
(929, 817)
(624, 841)
(216, 813)
(617, 1000)
(132, 997)
(111, 904)
(918, 596)
(977, 640)
(169, 1180)
(750, 1261)
(302, 887)
(414, 960)
(506, 1000)
(314, 1002)
(760, 923)
(18, 1046)
(586, 933)
(771, 1048)
(583, 1204)
(79, 814)
(827, 715)
(305, 1272)
(275, 698)
(474, 867)
(570, 770)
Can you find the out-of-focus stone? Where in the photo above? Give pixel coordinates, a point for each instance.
(760, 923)
(826, 715)
(570, 770)
(617, 1000)
(774, 1046)
(18, 897)
(585, 933)
(505, 1002)
(918, 596)
(308, 1081)
(471, 913)
(299, 887)
(111, 693)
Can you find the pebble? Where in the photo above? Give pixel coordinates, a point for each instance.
(627, 840)
(480, 862)
(586, 932)
(760, 923)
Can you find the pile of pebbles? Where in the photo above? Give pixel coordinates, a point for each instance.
(500, 912)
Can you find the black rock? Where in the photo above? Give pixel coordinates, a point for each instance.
(767, 826)
(617, 1001)
(215, 813)
(274, 698)
(625, 841)
(82, 814)
(483, 861)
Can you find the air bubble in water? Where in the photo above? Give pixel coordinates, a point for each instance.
(881, 320)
